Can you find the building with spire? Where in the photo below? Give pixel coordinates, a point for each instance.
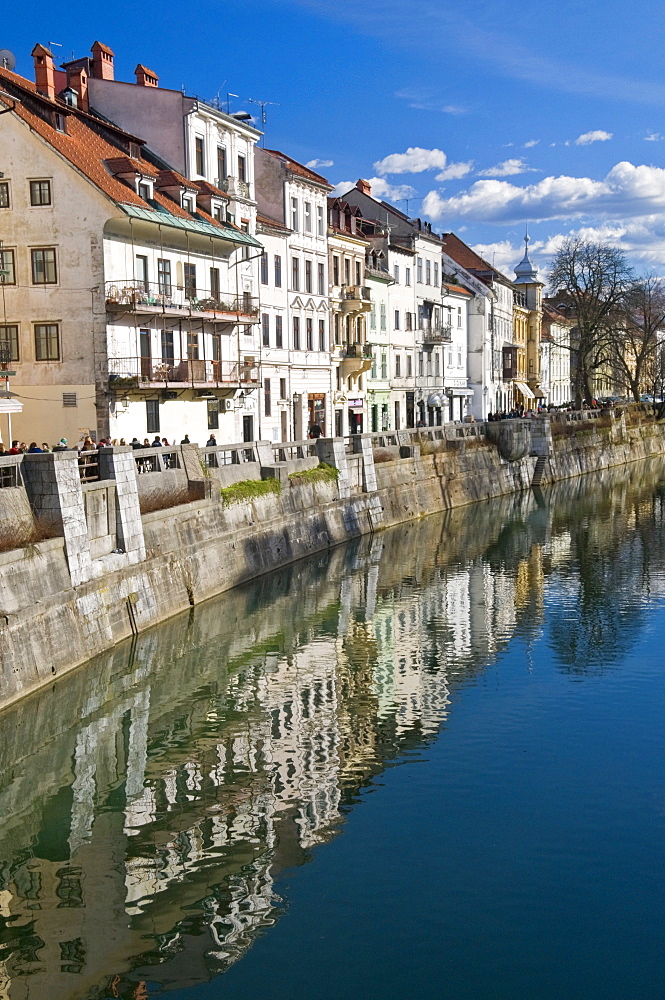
(527, 326)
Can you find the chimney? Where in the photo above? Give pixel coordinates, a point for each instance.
(364, 187)
(102, 62)
(77, 79)
(44, 71)
(145, 77)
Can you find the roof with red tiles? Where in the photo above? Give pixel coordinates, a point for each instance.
(171, 178)
(469, 259)
(265, 220)
(458, 290)
(205, 187)
(299, 168)
(130, 165)
(86, 147)
(145, 69)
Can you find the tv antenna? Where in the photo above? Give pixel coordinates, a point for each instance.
(263, 105)
(7, 59)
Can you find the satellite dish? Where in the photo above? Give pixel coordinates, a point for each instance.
(7, 59)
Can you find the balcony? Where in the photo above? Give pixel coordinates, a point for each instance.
(233, 186)
(132, 373)
(356, 298)
(357, 350)
(149, 299)
(430, 334)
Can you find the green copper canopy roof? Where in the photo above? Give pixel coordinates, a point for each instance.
(191, 225)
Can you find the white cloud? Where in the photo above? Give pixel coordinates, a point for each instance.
(424, 101)
(381, 189)
(454, 171)
(531, 143)
(598, 135)
(317, 164)
(414, 161)
(454, 109)
(654, 137)
(506, 169)
(627, 190)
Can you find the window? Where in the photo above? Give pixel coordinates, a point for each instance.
(347, 271)
(409, 366)
(335, 270)
(188, 205)
(398, 366)
(408, 321)
(397, 319)
(7, 266)
(295, 274)
(309, 328)
(428, 272)
(214, 283)
(372, 318)
(47, 342)
(142, 271)
(264, 268)
(436, 274)
(308, 216)
(278, 271)
(382, 308)
(396, 273)
(296, 333)
(459, 316)
(319, 220)
(4, 195)
(282, 388)
(60, 122)
(189, 271)
(322, 335)
(164, 276)
(267, 397)
(419, 274)
(167, 347)
(265, 329)
(420, 363)
(44, 270)
(152, 416)
(242, 168)
(384, 366)
(436, 363)
(213, 414)
(192, 347)
(200, 155)
(279, 336)
(321, 276)
(359, 277)
(294, 213)
(407, 279)
(308, 276)
(9, 342)
(40, 192)
(218, 213)
(221, 164)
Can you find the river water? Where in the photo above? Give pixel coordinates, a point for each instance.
(429, 764)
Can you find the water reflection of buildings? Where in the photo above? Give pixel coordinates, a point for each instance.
(151, 803)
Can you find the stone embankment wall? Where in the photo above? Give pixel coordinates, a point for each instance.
(111, 571)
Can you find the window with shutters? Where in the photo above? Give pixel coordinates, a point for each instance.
(47, 342)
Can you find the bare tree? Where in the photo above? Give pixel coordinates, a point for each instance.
(637, 333)
(588, 281)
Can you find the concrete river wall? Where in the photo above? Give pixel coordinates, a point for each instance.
(99, 548)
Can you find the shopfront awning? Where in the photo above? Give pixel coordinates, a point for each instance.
(434, 399)
(10, 406)
(525, 390)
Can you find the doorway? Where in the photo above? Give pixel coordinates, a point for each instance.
(248, 428)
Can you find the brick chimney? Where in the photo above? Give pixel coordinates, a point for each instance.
(364, 187)
(102, 62)
(77, 79)
(44, 71)
(145, 77)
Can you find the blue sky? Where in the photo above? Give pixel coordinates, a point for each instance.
(485, 115)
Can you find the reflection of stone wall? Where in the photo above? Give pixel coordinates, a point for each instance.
(159, 793)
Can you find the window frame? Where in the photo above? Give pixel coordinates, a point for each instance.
(278, 270)
(5, 186)
(34, 251)
(152, 421)
(46, 326)
(34, 186)
(4, 266)
(12, 341)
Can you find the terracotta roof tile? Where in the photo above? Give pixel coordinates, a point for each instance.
(205, 187)
(171, 178)
(267, 221)
(458, 290)
(468, 258)
(299, 168)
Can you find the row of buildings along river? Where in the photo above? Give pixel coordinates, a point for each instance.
(152, 801)
(164, 274)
